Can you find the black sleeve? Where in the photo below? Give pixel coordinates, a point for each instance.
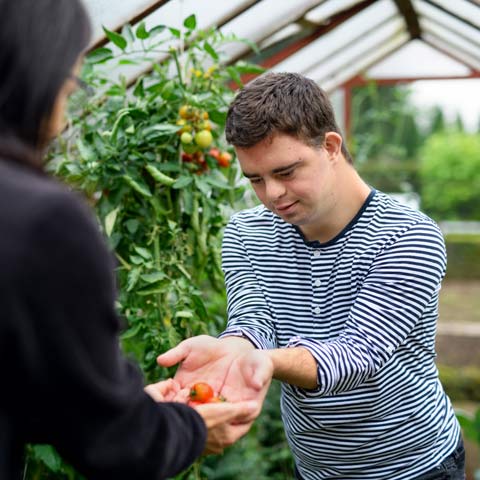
(76, 390)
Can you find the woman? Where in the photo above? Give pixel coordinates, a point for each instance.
(64, 380)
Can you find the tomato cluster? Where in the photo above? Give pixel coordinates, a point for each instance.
(196, 137)
(202, 392)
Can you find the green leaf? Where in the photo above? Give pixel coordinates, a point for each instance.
(246, 67)
(143, 252)
(153, 277)
(116, 38)
(158, 287)
(127, 32)
(184, 314)
(131, 332)
(99, 55)
(49, 456)
(216, 182)
(132, 225)
(141, 188)
(139, 91)
(235, 76)
(210, 50)
(159, 177)
(161, 129)
(110, 221)
(182, 182)
(190, 22)
(141, 32)
(175, 32)
(86, 153)
(156, 30)
(173, 337)
(133, 276)
(218, 117)
(200, 309)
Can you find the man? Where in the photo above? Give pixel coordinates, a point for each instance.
(338, 285)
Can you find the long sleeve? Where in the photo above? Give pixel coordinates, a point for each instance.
(249, 314)
(401, 283)
(70, 385)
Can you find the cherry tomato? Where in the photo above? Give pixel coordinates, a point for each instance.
(214, 152)
(203, 138)
(224, 159)
(201, 392)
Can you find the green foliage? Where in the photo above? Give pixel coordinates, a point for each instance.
(463, 252)
(450, 174)
(385, 137)
(470, 425)
(461, 384)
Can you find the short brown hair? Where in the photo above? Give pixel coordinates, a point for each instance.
(286, 103)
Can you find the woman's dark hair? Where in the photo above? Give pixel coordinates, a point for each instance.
(286, 103)
(40, 41)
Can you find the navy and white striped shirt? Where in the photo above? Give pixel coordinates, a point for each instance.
(365, 304)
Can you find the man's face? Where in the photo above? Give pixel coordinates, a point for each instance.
(292, 179)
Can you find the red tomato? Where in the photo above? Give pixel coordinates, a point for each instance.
(224, 159)
(201, 392)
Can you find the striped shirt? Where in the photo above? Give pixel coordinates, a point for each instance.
(365, 304)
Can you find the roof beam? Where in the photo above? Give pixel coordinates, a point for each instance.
(405, 7)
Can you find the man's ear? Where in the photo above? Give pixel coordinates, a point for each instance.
(333, 144)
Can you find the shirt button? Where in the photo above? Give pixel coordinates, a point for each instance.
(316, 253)
(318, 283)
(317, 310)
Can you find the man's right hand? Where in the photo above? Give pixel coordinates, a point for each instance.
(204, 359)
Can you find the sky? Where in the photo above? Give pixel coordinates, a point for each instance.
(462, 96)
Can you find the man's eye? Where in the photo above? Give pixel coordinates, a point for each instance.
(286, 174)
(255, 180)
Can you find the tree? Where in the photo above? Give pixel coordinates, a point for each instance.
(450, 174)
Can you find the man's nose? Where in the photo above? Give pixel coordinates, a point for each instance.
(274, 189)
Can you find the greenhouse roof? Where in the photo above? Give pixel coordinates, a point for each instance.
(335, 42)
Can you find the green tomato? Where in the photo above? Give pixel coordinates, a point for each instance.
(203, 138)
(186, 138)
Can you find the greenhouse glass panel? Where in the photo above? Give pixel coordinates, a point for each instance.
(447, 21)
(448, 49)
(112, 14)
(365, 61)
(449, 37)
(172, 14)
(340, 40)
(328, 9)
(417, 59)
(263, 20)
(462, 8)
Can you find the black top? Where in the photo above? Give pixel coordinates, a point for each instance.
(64, 380)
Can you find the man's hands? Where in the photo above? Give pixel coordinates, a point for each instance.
(236, 370)
(204, 359)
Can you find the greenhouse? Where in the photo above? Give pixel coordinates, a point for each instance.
(243, 239)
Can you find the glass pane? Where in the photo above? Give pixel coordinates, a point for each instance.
(445, 47)
(428, 26)
(449, 22)
(113, 13)
(263, 20)
(327, 9)
(339, 41)
(462, 8)
(417, 59)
